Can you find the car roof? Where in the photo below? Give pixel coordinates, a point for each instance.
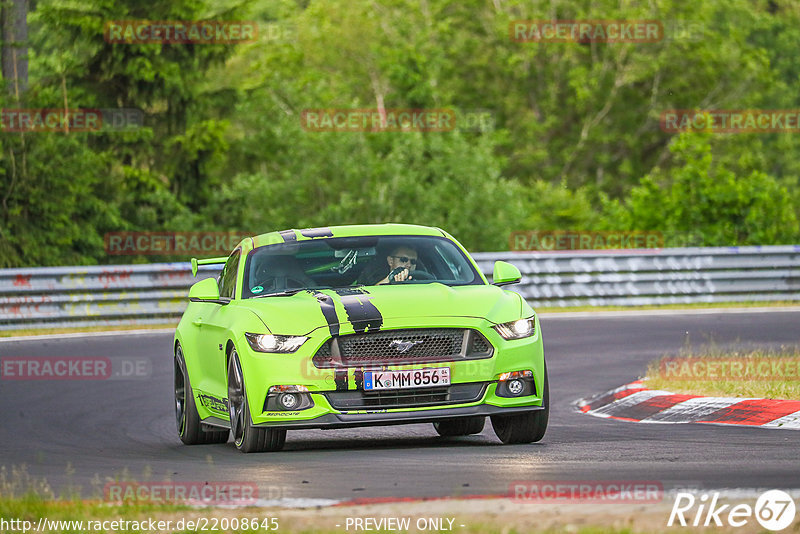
(345, 231)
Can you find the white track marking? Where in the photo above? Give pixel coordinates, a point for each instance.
(688, 411)
(610, 410)
(693, 409)
(787, 421)
(580, 403)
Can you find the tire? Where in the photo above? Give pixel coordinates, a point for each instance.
(246, 437)
(190, 429)
(463, 426)
(527, 427)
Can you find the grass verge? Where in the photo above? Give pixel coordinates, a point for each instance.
(81, 329)
(769, 374)
(75, 516)
(28, 504)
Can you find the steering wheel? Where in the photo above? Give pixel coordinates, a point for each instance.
(413, 276)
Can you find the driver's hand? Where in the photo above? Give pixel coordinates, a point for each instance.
(402, 275)
(399, 277)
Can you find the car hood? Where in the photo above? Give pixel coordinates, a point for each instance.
(373, 306)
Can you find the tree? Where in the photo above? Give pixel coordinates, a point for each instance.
(702, 202)
(14, 24)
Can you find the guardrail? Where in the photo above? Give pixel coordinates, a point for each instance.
(655, 276)
(97, 295)
(156, 293)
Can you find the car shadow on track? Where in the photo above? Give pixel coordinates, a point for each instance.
(386, 443)
(315, 441)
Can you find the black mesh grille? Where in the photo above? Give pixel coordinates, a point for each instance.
(479, 344)
(324, 352)
(405, 398)
(403, 346)
(408, 344)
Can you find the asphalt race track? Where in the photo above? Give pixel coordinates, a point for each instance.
(85, 433)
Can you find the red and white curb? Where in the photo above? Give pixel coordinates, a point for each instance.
(635, 402)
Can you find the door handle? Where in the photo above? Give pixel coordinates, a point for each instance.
(198, 321)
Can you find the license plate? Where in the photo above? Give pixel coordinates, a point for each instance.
(412, 378)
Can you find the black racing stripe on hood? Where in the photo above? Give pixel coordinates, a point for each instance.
(361, 313)
(288, 236)
(317, 232)
(329, 312)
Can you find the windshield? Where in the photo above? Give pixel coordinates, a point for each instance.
(354, 261)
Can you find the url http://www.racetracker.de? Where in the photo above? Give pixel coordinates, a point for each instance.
(200, 524)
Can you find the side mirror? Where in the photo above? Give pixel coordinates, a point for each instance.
(205, 291)
(505, 273)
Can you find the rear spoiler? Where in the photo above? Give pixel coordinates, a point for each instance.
(208, 261)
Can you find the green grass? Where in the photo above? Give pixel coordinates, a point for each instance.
(32, 507)
(77, 329)
(26, 498)
(770, 374)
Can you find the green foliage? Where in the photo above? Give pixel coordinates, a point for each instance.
(701, 199)
(54, 202)
(443, 180)
(556, 206)
(576, 145)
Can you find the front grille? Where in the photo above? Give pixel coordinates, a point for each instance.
(480, 344)
(415, 345)
(405, 398)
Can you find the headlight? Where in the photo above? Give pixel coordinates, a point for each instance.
(517, 329)
(271, 343)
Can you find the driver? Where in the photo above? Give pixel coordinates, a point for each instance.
(402, 258)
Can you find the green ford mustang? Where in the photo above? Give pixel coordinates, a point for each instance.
(354, 326)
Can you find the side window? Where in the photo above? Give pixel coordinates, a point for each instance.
(227, 279)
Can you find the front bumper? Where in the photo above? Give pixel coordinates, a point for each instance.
(261, 371)
(350, 420)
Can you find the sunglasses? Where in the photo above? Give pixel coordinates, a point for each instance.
(406, 259)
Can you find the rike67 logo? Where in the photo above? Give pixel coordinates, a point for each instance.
(774, 510)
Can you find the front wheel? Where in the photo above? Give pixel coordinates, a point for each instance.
(526, 427)
(246, 437)
(189, 428)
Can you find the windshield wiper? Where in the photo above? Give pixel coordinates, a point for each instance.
(347, 287)
(289, 292)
